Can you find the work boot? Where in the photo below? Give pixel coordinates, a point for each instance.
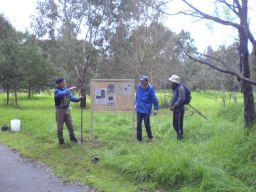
(73, 138)
(179, 137)
(61, 141)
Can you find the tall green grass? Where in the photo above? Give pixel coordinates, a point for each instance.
(216, 154)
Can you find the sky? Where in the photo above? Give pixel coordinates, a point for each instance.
(19, 12)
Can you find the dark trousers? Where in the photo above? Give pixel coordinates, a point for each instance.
(146, 118)
(178, 117)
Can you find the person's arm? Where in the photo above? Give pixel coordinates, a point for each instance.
(154, 99)
(136, 97)
(73, 98)
(61, 93)
(181, 98)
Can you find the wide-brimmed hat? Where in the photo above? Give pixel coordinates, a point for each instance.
(174, 79)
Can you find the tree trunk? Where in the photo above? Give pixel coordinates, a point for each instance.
(15, 95)
(249, 109)
(7, 96)
(29, 91)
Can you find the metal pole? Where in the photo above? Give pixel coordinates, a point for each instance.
(82, 125)
(91, 107)
(82, 106)
(198, 112)
(91, 127)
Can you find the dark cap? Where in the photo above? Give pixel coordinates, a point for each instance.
(144, 78)
(59, 80)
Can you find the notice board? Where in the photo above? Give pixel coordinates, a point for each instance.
(112, 95)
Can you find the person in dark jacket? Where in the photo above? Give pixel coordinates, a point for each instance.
(177, 105)
(62, 98)
(145, 98)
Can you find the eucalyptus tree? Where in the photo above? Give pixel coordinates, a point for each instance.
(151, 50)
(92, 22)
(234, 14)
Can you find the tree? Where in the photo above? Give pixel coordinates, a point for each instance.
(37, 70)
(23, 64)
(151, 50)
(94, 22)
(10, 75)
(238, 11)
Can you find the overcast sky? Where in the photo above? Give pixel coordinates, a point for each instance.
(18, 12)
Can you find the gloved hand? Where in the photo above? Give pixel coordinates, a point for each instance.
(155, 112)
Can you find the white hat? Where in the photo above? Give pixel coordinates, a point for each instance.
(174, 78)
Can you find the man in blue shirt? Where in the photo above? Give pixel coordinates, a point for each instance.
(62, 98)
(145, 98)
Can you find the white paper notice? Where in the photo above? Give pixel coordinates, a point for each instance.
(125, 89)
(100, 96)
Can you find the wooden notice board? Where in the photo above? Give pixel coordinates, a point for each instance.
(112, 95)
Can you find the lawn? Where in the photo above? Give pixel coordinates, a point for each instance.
(216, 155)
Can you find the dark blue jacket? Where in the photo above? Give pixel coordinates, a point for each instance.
(62, 98)
(145, 98)
(178, 97)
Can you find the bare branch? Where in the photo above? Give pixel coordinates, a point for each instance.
(230, 6)
(198, 13)
(160, 10)
(239, 76)
(252, 40)
(214, 58)
(238, 5)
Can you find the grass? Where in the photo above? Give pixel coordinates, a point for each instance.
(216, 155)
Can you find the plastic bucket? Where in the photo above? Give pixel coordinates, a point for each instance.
(15, 125)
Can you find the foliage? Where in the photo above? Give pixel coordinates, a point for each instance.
(10, 46)
(23, 64)
(37, 69)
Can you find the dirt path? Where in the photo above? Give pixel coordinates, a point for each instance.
(18, 174)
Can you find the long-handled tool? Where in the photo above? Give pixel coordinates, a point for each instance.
(82, 106)
(198, 112)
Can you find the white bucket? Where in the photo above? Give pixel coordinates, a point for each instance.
(15, 125)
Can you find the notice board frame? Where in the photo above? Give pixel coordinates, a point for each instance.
(112, 95)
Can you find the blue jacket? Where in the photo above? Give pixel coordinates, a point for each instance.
(62, 98)
(145, 98)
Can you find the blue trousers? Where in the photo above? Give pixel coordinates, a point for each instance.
(178, 117)
(146, 118)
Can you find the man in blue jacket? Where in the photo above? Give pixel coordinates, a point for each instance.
(177, 105)
(62, 98)
(145, 97)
